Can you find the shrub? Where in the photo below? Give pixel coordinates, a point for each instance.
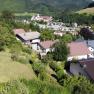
(14, 56)
(31, 87)
(43, 87)
(55, 66)
(43, 76)
(60, 74)
(13, 87)
(60, 51)
(38, 67)
(23, 60)
(27, 50)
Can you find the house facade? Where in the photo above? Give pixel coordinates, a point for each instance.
(90, 44)
(42, 18)
(58, 33)
(79, 51)
(30, 38)
(84, 68)
(44, 47)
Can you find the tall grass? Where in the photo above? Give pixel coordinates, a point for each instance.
(31, 87)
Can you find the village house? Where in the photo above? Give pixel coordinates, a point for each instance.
(71, 30)
(59, 26)
(54, 27)
(79, 51)
(42, 18)
(59, 33)
(84, 68)
(45, 46)
(29, 38)
(74, 25)
(90, 44)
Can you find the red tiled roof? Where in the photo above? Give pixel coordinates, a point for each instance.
(45, 17)
(78, 48)
(47, 44)
(18, 31)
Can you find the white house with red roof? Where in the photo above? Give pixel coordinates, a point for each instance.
(79, 51)
(45, 46)
(41, 18)
(59, 33)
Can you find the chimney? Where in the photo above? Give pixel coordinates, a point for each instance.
(24, 34)
(87, 42)
(84, 66)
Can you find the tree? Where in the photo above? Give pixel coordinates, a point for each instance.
(34, 27)
(8, 40)
(7, 16)
(60, 51)
(47, 58)
(70, 17)
(86, 33)
(67, 38)
(79, 85)
(47, 34)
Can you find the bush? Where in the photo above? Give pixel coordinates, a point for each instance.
(60, 74)
(47, 59)
(23, 60)
(60, 51)
(27, 50)
(43, 76)
(14, 56)
(43, 87)
(14, 87)
(79, 85)
(38, 67)
(55, 66)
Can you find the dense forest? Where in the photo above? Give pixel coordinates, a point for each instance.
(81, 19)
(42, 6)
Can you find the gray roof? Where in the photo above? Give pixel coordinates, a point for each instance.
(80, 40)
(29, 35)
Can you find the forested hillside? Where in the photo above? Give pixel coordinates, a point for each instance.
(42, 6)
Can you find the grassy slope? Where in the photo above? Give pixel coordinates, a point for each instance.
(10, 70)
(13, 5)
(31, 87)
(87, 10)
